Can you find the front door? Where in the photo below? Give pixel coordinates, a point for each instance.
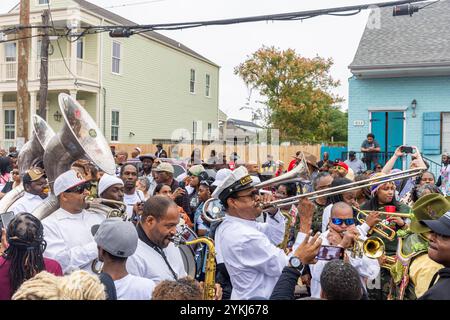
(388, 130)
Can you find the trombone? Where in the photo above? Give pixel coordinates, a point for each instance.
(383, 230)
(339, 189)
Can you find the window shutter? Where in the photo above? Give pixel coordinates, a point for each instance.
(431, 133)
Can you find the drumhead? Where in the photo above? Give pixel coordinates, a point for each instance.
(188, 260)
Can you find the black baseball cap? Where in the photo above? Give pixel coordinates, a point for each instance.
(440, 226)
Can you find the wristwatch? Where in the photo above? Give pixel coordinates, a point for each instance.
(295, 262)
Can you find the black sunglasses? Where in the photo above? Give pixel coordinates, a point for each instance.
(80, 188)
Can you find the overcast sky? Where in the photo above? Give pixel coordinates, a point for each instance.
(227, 46)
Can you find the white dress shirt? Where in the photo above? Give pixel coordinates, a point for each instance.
(69, 239)
(27, 203)
(367, 268)
(147, 263)
(249, 251)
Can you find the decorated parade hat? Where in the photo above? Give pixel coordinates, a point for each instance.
(429, 207)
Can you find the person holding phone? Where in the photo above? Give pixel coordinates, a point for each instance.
(341, 232)
(36, 191)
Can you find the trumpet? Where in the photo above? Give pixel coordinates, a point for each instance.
(372, 247)
(383, 230)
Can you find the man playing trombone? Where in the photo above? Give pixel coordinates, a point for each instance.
(248, 248)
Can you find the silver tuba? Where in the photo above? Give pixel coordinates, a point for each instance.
(105, 207)
(79, 138)
(30, 153)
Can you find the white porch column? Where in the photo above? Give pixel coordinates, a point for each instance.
(73, 94)
(73, 57)
(33, 103)
(2, 122)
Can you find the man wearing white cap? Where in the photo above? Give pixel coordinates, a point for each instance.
(68, 230)
(112, 188)
(247, 248)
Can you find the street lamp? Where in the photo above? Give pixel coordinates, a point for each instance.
(57, 116)
(413, 107)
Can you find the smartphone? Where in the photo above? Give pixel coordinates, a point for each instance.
(182, 184)
(330, 253)
(6, 219)
(406, 149)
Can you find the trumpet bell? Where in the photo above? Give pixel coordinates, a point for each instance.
(373, 247)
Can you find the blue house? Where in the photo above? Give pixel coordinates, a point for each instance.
(400, 88)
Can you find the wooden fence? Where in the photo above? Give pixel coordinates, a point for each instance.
(247, 152)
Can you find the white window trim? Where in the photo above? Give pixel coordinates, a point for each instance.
(121, 58)
(195, 78)
(16, 55)
(4, 123)
(111, 125)
(209, 88)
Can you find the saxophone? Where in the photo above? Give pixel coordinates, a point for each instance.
(284, 243)
(210, 270)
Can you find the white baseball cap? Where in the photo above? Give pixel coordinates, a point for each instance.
(67, 180)
(107, 181)
(221, 175)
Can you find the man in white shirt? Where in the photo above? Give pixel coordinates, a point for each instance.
(356, 165)
(133, 198)
(156, 257)
(247, 249)
(147, 164)
(36, 190)
(68, 230)
(117, 240)
(341, 232)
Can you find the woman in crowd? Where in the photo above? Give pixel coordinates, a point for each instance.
(4, 171)
(143, 184)
(165, 190)
(23, 258)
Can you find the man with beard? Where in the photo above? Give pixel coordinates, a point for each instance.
(68, 230)
(133, 197)
(156, 257)
(36, 190)
(147, 164)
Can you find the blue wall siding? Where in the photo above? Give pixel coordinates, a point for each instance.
(432, 95)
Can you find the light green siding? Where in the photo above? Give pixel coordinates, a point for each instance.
(152, 91)
(90, 48)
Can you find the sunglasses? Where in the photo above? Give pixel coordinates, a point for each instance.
(253, 194)
(80, 188)
(338, 221)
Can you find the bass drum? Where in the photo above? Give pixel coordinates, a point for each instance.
(187, 251)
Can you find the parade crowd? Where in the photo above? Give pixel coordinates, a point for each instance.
(315, 248)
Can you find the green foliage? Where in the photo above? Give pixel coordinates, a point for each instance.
(297, 91)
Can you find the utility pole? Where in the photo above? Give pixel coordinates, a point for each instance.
(43, 90)
(23, 99)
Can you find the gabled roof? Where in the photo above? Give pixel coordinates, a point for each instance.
(405, 41)
(122, 21)
(243, 123)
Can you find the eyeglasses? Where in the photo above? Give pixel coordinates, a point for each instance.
(80, 188)
(253, 194)
(339, 221)
(15, 172)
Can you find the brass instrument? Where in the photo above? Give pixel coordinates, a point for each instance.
(31, 152)
(378, 228)
(79, 138)
(284, 243)
(210, 270)
(101, 205)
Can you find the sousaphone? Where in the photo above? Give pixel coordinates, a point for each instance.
(79, 138)
(31, 153)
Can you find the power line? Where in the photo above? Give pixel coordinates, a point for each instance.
(23, 38)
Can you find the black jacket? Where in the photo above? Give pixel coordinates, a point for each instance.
(441, 289)
(285, 287)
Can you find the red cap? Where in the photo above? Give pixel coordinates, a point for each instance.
(342, 164)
